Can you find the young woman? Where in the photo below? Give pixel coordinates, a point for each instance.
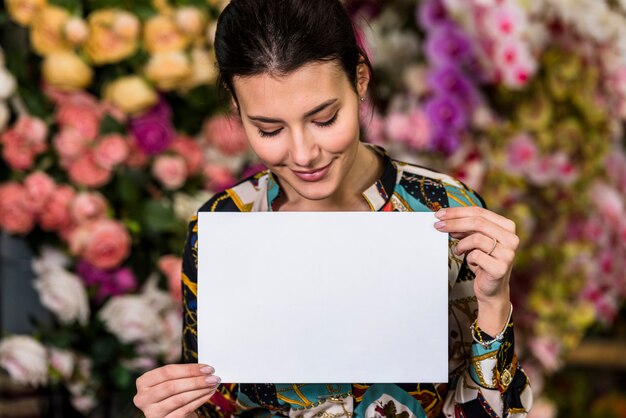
(296, 77)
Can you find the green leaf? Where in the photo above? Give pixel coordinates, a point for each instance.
(110, 125)
(159, 218)
(122, 377)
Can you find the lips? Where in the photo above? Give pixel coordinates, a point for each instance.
(314, 175)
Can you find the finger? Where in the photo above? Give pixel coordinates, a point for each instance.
(183, 411)
(470, 211)
(482, 225)
(495, 268)
(473, 241)
(171, 388)
(172, 372)
(178, 402)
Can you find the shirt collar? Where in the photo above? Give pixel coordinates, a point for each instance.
(376, 195)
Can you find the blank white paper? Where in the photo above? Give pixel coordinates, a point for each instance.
(323, 297)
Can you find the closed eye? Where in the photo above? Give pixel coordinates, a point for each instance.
(325, 124)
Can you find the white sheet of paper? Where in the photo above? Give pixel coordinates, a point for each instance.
(323, 297)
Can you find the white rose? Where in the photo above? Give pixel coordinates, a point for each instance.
(84, 403)
(25, 359)
(131, 318)
(185, 206)
(64, 294)
(51, 258)
(62, 361)
(7, 84)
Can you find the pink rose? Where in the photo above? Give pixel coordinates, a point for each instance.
(56, 214)
(39, 186)
(15, 215)
(172, 267)
(547, 350)
(88, 206)
(69, 144)
(111, 150)
(191, 151)
(170, 171)
(515, 63)
(226, 133)
(217, 178)
(86, 172)
(137, 157)
(16, 151)
(398, 127)
(419, 136)
(507, 19)
(104, 243)
(34, 131)
(82, 112)
(521, 152)
(374, 125)
(608, 202)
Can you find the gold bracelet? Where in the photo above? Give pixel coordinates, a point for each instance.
(498, 338)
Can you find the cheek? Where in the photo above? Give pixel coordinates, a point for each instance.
(269, 150)
(341, 137)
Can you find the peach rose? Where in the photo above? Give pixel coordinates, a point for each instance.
(161, 34)
(203, 69)
(126, 25)
(104, 45)
(56, 215)
(168, 69)
(76, 30)
(24, 11)
(69, 144)
(132, 94)
(191, 151)
(170, 171)
(172, 268)
(40, 187)
(66, 71)
(190, 20)
(111, 151)
(81, 114)
(46, 34)
(16, 217)
(226, 133)
(103, 243)
(88, 206)
(86, 172)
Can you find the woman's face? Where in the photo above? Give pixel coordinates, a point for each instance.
(304, 126)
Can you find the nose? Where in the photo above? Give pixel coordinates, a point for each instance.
(304, 150)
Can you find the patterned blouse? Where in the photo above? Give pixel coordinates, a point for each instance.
(482, 382)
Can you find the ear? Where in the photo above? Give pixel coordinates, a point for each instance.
(362, 78)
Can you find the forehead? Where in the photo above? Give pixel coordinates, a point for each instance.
(309, 85)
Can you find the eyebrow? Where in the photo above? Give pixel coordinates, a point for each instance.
(306, 115)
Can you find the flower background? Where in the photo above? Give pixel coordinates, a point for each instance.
(113, 133)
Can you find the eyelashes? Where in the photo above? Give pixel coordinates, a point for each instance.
(320, 124)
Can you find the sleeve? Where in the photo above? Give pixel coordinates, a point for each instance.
(224, 402)
(484, 381)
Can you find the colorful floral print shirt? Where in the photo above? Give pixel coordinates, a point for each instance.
(482, 382)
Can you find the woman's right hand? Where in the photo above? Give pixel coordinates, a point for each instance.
(175, 390)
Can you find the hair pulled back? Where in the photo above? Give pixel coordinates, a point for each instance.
(277, 37)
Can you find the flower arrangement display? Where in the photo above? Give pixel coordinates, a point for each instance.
(112, 135)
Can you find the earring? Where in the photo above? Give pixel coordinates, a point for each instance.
(362, 99)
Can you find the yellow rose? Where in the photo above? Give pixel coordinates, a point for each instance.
(203, 69)
(23, 11)
(47, 29)
(190, 20)
(76, 30)
(104, 45)
(162, 35)
(66, 71)
(168, 69)
(131, 94)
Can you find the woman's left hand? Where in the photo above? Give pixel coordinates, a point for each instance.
(476, 228)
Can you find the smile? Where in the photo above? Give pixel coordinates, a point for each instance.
(314, 175)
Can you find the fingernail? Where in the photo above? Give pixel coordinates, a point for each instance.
(207, 370)
(440, 224)
(213, 380)
(441, 213)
